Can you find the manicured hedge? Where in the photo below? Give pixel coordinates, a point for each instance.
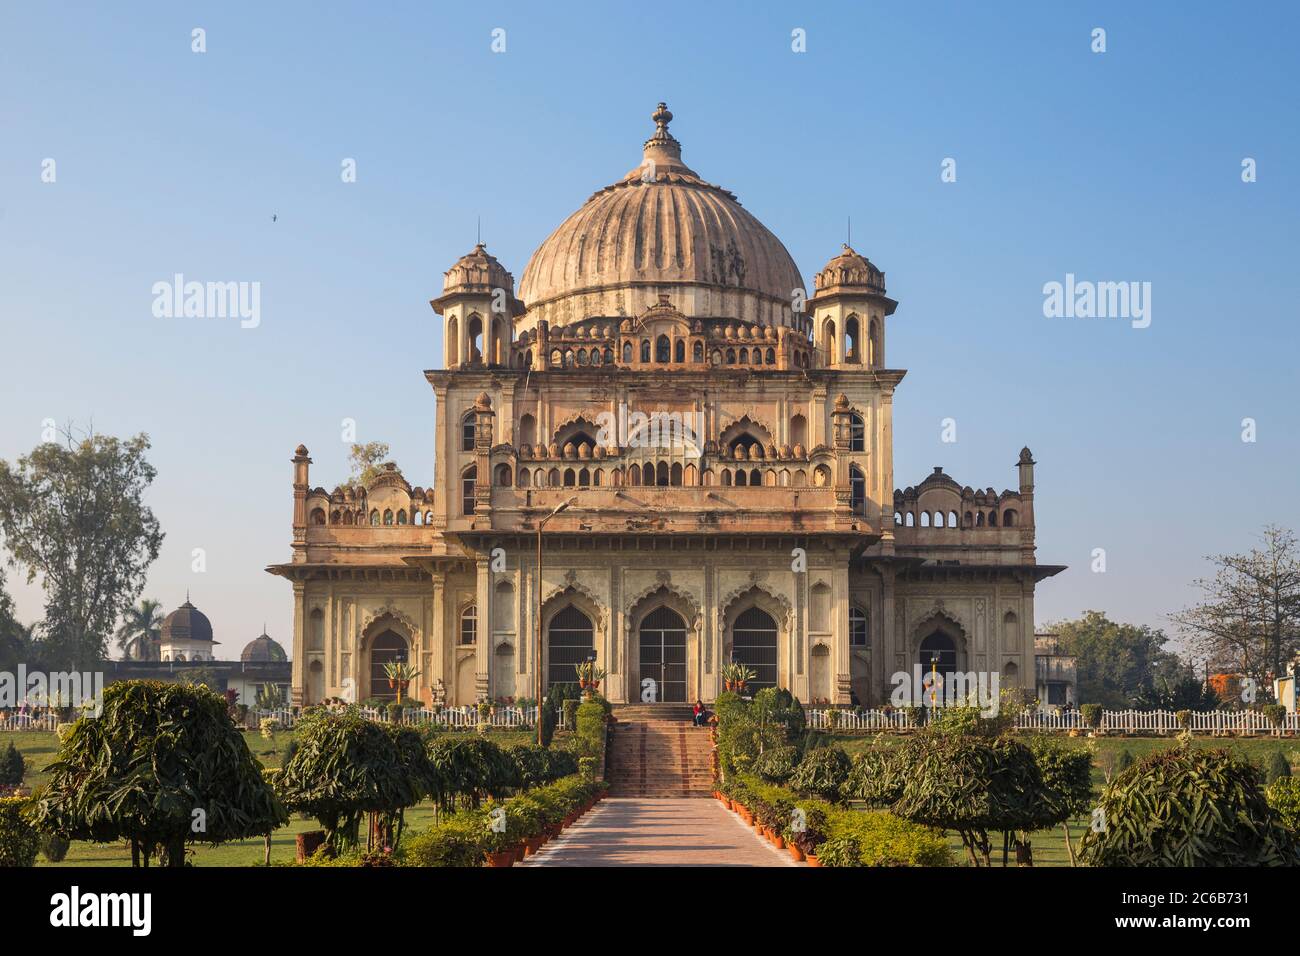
(837, 835)
(463, 838)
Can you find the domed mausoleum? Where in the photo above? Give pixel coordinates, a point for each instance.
(704, 439)
(187, 635)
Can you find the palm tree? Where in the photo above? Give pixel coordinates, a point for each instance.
(141, 626)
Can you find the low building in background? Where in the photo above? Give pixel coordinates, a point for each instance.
(1056, 675)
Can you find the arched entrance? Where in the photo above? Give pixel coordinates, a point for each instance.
(753, 643)
(388, 647)
(569, 641)
(937, 654)
(663, 653)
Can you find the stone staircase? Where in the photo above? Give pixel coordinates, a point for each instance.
(655, 751)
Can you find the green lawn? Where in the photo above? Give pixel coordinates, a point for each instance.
(40, 747)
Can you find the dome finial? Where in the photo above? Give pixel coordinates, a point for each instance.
(662, 117)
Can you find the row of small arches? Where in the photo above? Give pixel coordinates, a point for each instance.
(662, 474)
(376, 518)
(971, 519)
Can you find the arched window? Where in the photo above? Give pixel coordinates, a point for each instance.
(627, 353)
(469, 625)
(648, 474)
(1009, 518)
(679, 350)
(771, 356)
(697, 352)
(453, 343)
(828, 342)
(387, 648)
(570, 478)
(857, 433)
(474, 333)
(852, 334)
(857, 490)
(374, 518)
(503, 475)
(1010, 631)
(798, 430)
(316, 633)
(857, 626)
(568, 642)
(468, 481)
(742, 478)
(584, 478)
(663, 349)
(401, 516)
(753, 643)
(467, 430)
(675, 476)
(938, 653)
(645, 350)
(318, 516)
(388, 516)
(731, 356)
(661, 474)
(873, 343)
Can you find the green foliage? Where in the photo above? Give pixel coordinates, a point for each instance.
(589, 726)
(840, 836)
(12, 767)
(1283, 796)
(461, 839)
(54, 847)
(19, 840)
(157, 753)
(969, 784)
(1066, 773)
(1181, 693)
(74, 515)
(1189, 807)
(747, 729)
(778, 764)
(347, 766)
(779, 712)
(1115, 661)
(1278, 767)
(470, 769)
(1276, 713)
(1091, 714)
(536, 765)
(549, 717)
(822, 773)
(570, 708)
(876, 776)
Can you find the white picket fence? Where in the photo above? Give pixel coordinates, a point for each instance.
(28, 722)
(454, 718)
(1213, 723)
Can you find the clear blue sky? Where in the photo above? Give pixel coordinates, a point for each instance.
(1117, 166)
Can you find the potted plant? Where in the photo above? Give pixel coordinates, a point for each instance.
(400, 674)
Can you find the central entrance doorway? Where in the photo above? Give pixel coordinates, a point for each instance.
(663, 654)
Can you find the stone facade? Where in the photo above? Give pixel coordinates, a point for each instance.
(720, 452)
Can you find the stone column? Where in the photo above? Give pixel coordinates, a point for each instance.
(299, 669)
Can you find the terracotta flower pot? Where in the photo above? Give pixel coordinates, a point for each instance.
(778, 841)
(520, 852)
(504, 858)
(532, 844)
(796, 853)
(813, 861)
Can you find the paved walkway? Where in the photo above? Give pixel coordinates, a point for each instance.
(659, 832)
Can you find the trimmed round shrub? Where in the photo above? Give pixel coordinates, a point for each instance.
(459, 839)
(1091, 714)
(12, 766)
(54, 847)
(822, 773)
(1278, 767)
(1189, 807)
(776, 765)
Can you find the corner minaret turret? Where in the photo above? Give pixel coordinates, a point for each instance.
(478, 307)
(848, 309)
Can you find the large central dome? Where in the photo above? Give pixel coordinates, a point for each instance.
(661, 229)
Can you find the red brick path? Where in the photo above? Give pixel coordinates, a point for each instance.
(659, 832)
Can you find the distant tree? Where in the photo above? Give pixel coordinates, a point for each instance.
(141, 626)
(367, 461)
(1249, 614)
(73, 514)
(12, 766)
(162, 766)
(1184, 693)
(1116, 662)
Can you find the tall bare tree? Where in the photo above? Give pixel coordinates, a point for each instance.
(73, 514)
(1249, 615)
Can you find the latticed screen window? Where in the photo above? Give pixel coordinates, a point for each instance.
(568, 642)
(754, 644)
(467, 434)
(857, 627)
(469, 625)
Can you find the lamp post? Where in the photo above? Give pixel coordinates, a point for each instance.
(537, 659)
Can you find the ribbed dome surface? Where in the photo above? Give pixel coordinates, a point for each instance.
(186, 623)
(263, 649)
(661, 227)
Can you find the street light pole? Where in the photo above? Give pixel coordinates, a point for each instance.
(537, 657)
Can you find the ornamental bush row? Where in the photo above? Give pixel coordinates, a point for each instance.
(463, 838)
(837, 835)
